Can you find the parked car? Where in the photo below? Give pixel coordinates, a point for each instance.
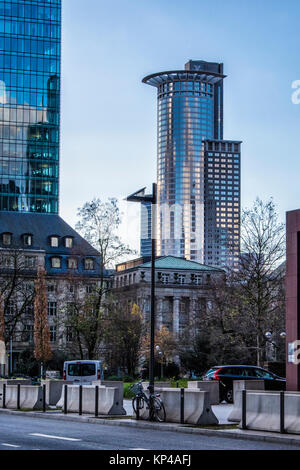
(227, 374)
(83, 372)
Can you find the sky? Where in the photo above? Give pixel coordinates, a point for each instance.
(109, 131)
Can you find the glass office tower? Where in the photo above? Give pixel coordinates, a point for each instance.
(222, 175)
(190, 111)
(30, 47)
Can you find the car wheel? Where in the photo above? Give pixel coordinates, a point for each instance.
(229, 395)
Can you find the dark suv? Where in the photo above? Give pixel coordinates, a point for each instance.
(227, 374)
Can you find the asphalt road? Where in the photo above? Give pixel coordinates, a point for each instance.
(25, 433)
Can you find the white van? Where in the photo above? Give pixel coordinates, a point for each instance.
(83, 372)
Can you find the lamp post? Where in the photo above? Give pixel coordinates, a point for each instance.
(140, 196)
(269, 337)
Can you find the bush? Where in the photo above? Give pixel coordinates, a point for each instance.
(127, 378)
(127, 392)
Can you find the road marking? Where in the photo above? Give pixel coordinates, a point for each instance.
(10, 445)
(139, 449)
(55, 437)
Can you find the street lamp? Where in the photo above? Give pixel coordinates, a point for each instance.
(140, 196)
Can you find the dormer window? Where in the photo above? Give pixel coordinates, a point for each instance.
(54, 241)
(27, 240)
(89, 264)
(56, 263)
(69, 242)
(6, 239)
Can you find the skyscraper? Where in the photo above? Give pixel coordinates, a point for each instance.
(30, 48)
(190, 112)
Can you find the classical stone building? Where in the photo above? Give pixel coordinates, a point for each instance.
(182, 289)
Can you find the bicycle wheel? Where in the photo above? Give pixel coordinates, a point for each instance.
(159, 411)
(134, 404)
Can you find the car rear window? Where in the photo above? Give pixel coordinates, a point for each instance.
(88, 370)
(81, 370)
(74, 370)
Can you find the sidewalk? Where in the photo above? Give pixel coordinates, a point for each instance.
(186, 429)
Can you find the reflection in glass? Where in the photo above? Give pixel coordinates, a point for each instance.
(29, 105)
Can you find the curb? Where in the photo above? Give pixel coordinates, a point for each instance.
(238, 434)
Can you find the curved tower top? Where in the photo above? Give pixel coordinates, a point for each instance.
(190, 111)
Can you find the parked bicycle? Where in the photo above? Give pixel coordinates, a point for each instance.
(153, 403)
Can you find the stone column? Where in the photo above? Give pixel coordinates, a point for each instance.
(176, 312)
(159, 312)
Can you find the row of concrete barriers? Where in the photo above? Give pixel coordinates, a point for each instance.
(185, 406)
(106, 398)
(257, 409)
(18, 395)
(21, 396)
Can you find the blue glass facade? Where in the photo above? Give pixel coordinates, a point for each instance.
(30, 49)
(146, 229)
(190, 111)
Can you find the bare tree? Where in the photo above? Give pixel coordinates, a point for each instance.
(16, 292)
(259, 279)
(124, 328)
(98, 224)
(250, 301)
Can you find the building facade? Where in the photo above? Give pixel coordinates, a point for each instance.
(222, 176)
(73, 272)
(182, 289)
(30, 51)
(190, 112)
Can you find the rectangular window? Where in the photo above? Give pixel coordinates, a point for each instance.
(28, 334)
(54, 242)
(69, 334)
(52, 309)
(90, 288)
(52, 334)
(6, 239)
(30, 262)
(89, 264)
(69, 242)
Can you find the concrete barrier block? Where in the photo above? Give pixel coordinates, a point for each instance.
(263, 411)
(107, 399)
(292, 412)
(157, 385)
(119, 385)
(197, 408)
(54, 390)
(210, 386)
(31, 397)
(239, 385)
(247, 385)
